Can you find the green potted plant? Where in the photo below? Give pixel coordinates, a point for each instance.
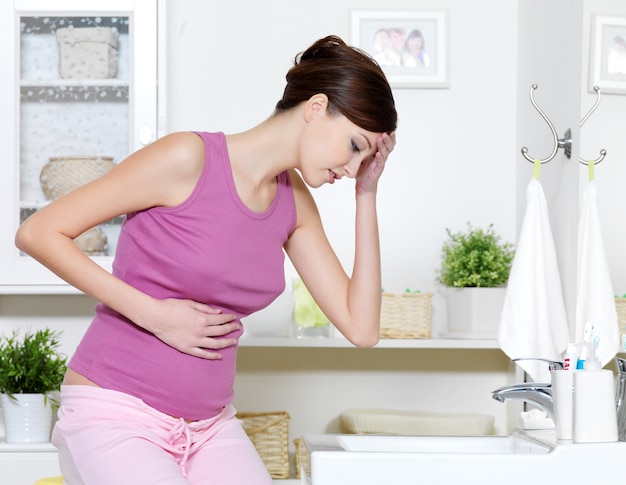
(475, 267)
(31, 369)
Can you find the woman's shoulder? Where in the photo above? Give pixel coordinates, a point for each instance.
(180, 151)
(168, 169)
(182, 143)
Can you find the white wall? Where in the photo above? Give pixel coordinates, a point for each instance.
(456, 155)
(455, 162)
(548, 55)
(606, 129)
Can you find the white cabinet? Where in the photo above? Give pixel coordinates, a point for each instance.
(23, 465)
(315, 379)
(82, 82)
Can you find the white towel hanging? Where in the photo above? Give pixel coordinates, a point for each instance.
(534, 321)
(595, 302)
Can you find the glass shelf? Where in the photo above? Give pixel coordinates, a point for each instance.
(74, 91)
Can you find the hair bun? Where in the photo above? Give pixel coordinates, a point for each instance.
(325, 47)
(352, 80)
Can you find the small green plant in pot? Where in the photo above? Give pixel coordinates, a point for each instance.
(475, 258)
(475, 267)
(31, 368)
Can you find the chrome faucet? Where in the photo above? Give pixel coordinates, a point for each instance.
(539, 394)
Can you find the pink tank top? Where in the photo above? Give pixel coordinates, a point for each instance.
(213, 249)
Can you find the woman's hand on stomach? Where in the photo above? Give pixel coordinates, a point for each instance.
(191, 327)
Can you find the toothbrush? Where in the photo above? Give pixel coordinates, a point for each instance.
(588, 332)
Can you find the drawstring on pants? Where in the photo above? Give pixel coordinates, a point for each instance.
(181, 430)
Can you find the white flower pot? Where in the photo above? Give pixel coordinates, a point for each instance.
(27, 418)
(474, 312)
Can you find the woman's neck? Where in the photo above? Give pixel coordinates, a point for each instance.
(259, 154)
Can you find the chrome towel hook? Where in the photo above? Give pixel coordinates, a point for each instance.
(582, 122)
(565, 142)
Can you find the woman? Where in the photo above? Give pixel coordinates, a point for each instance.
(415, 45)
(147, 394)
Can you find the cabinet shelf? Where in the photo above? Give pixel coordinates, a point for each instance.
(75, 90)
(382, 344)
(74, 83)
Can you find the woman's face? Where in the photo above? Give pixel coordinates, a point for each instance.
(415, 44)
(332, 147)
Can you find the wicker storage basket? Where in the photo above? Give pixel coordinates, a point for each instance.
(302, 457)
(405, 315)
(269, 432)
(93, 242)
(61, 175)
(620, 307)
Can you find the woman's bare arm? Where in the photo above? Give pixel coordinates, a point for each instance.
(161, 174)
(351, 303)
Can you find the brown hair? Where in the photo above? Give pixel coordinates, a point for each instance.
(352, 80)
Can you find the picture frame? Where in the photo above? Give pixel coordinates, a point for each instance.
(393, 38)
(607, 62)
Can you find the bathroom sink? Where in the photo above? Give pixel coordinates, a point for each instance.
(520, 458)
(441, 444)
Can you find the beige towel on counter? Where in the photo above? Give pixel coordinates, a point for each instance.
(414, 423)
(534, 321)
(595, 302)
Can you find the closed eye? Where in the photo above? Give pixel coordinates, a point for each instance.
(355, 147)
(369, 159)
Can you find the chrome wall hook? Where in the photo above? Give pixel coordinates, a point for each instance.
(565, 143)
(582, 122)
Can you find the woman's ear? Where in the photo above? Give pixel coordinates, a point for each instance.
(315, 105)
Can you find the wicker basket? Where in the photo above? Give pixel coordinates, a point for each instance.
(93, 242)
(269, 432)
(620, 307)
(405, 315)
(61, 175)
(301, 459)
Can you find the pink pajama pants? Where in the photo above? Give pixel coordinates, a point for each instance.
(107, 437)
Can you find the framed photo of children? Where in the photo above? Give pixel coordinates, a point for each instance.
(607, 66)
(410, 46)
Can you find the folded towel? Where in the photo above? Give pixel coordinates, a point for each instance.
(396, 422)
(534, 322)
(595, 302)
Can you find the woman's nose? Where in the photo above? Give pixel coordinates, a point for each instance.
(352, 168)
